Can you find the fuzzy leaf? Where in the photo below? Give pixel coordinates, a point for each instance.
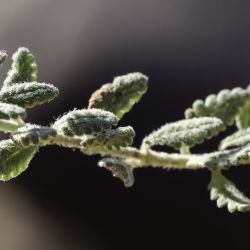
(120, 137)
(85, 122)
(3, 56)
(30, 135)
(120, 96)
(225, 105)
(185, 132)
(118, 169)
(237, 139)
(11, 111)
(14, 159)
(23, 69)
(226, 194)
(221, 159)
(243, 118)
(10, 125)
(29, 94)
(11, 117)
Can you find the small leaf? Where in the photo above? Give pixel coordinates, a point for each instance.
(241, 155)
(14, 159)
(243, 117)
(237, 139)
(3, 56)
(120, 96)
(29, 94)
(11, 111)
(118, 169)
(185, 132)
(85, 122)
(10, 125)
(11, 117)
(225, 105)
(30, 135)
(120, 137)
(23, 69)
(226, 194)
(221, 159)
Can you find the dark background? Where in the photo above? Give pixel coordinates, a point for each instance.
(188, 49)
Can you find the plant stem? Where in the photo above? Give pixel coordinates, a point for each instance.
(139, 157)
(145, 157)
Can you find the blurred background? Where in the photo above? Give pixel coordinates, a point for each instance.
(188, 49)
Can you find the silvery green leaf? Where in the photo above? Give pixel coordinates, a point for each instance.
(120, 96)
(14, 159)
(30, 135)
(243, 117)
(11, 111)
(23, 69)
(119, 137)
(118, 169)
(29, 94)
(225, 105)
(185, 132)
(11, 117)
(227, 194)
(85, 122)
(221, 159)
(237, 139)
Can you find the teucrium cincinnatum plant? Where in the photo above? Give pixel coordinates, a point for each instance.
(94, 130)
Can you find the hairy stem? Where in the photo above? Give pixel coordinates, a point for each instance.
(139, 157)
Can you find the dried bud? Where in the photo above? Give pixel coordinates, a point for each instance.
(120, 96)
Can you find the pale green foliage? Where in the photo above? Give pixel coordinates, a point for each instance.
(28, 94)
(30, 135)
(11, 111)
(14, 159)
(185, 132)
(85, 122)
(120, 137)
(243, 117)
(23, 69)
(221, 159)
(237, 139)
(225, 105)
(11, 117)
(119, 97)
(226, 194)
(118, 169)
(93, 130)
